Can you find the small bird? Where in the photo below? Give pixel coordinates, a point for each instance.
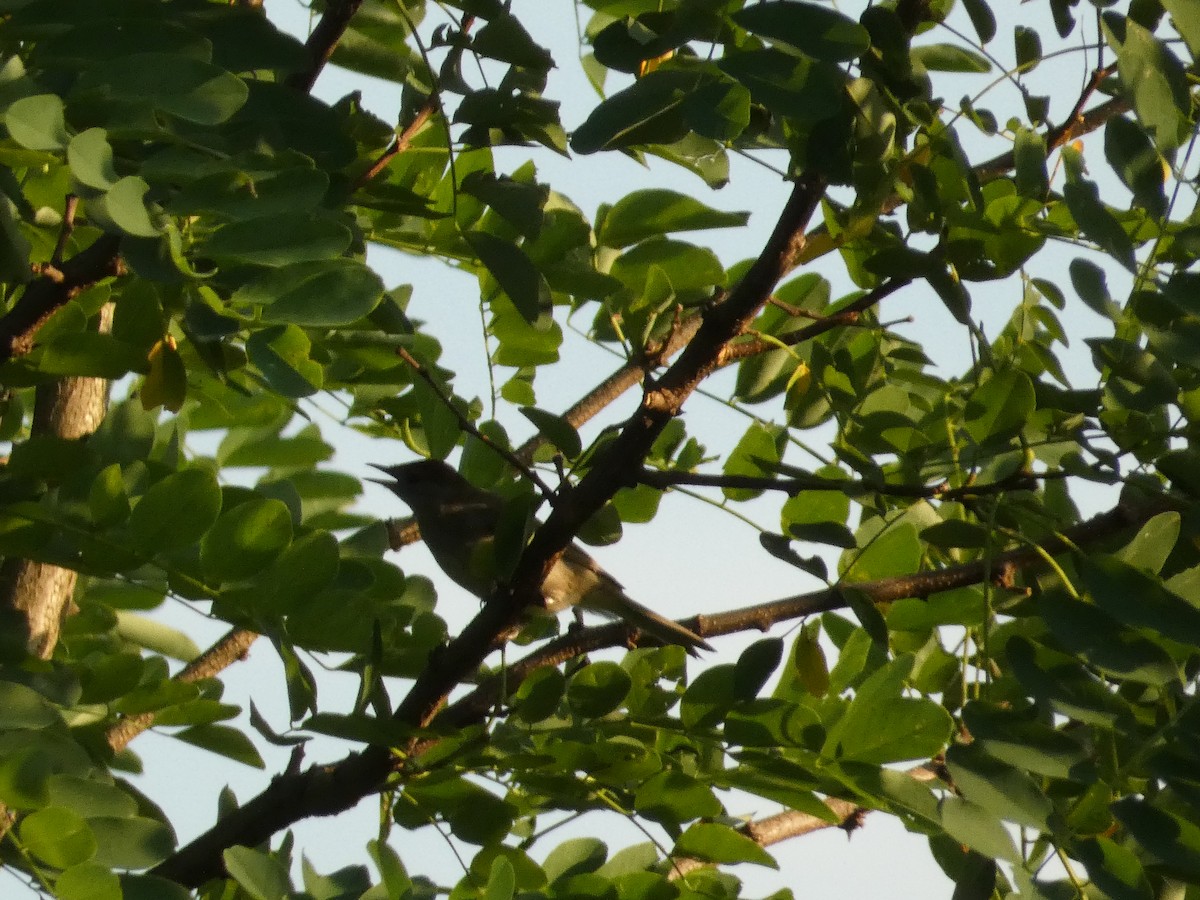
(458, 522)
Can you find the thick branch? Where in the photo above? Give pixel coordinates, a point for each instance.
(70, 409)
(324, 38)
(53, 289)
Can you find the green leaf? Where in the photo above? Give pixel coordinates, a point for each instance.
(132, 842)
(89, 881)
(151, 887)
(246, 539)
(573, 857)
(1154, 78)
(893, 552)
(1001, 406)
(672, 797)
(91, 159)
(650, 111)
(156, 636)
(37, 122)
(91, 353)
(1152, 545)
(709, 697)
(502, 881)
(24, 777)
(267, 448)
(238, 195)
(320, 293)
(1065, 684)
(282, 354)
(1029, 159)
(756, 665)
(977, 829)
(982, 19)
(721, 844)
(522, 203)
(261, 875)
(1097, 223)
(504, 38)
(807, 28)
(1020, 741)
(1185, 16)
(998, 788)
(881, 726)
(704, 157)
(719, 111)
(89, 797)
(808, 662)
(124, 206)
(539, 695)
(1170, 840)
(474, 814)
(806, 90)
(22, 707)
(59, 837)
(224, 741)
(652, 212)
(950, 58)
(516, 274)
(1103, 642)
(1091, 285)
(279, 240)
(759, 448)
(657, 267)
(1028, 48)
(556, 429)
(1114, 868)
(1138, 599)
(175, 511)
(1137, 163)
(598, 689)
(183, 86)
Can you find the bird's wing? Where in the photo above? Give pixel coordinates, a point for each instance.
(596, 590)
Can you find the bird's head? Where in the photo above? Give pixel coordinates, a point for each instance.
(419, 483)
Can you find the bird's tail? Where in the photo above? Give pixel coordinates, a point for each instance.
(633, 613)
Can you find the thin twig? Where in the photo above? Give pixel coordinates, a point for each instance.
(469, 427)
(1017, 481)
(68, 228)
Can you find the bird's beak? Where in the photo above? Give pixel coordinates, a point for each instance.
(384, 470)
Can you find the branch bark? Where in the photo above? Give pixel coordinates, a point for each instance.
(232, 647)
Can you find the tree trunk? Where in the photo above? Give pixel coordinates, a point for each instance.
(70, 408)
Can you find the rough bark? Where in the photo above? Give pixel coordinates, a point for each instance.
(70, 408)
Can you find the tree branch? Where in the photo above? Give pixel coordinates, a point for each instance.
(1017, 481)
(321, 43)
(232, 647)
(785, 825)
(55, 287)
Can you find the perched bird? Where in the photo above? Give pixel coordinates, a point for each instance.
(458, 522)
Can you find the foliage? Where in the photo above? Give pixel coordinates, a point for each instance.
(1036, 667)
